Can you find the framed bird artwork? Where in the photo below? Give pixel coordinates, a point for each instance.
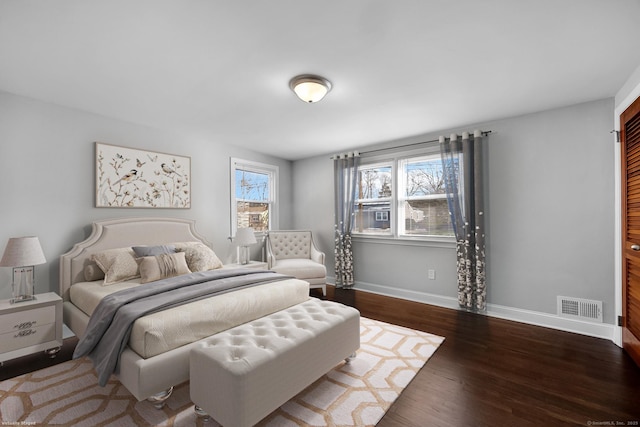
(133, 178)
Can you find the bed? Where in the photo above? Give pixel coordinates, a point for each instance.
(156, 355)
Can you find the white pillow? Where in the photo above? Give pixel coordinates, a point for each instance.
(162, 266)
(118, 265)
(92, 272)
(199, 256)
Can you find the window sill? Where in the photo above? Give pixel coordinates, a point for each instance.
(433, 242)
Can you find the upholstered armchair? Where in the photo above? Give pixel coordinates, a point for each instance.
(294, 253)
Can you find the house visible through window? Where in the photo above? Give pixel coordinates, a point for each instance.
(403, 197)
(253, 193)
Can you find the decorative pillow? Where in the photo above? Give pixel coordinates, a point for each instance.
(199, 256)
(142, 251)
(92, 272)
(118, 265)
(161, 266)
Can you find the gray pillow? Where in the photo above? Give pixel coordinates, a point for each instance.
(142, 251)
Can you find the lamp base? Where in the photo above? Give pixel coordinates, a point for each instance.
(23, 278)
(244, 256)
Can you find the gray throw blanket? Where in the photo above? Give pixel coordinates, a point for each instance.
(110, 324)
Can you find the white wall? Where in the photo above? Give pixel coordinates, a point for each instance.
(550, 213)
(47, 170)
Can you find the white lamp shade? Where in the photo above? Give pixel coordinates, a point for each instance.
(22, 251)
(245, 237)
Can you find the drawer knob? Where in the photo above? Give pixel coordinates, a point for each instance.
(25, 325)
(25, 333)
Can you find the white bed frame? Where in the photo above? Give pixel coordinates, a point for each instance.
(151, 378)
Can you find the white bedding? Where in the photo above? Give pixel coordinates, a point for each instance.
(166, 330)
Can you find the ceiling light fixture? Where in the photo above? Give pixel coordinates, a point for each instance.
(310, 88)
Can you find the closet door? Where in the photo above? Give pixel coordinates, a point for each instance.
(630, 132)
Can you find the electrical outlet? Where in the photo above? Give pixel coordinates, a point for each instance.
(432, 275)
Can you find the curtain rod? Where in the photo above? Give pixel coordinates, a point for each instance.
(484, 133)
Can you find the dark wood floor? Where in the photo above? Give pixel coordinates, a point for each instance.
(493, 372)
(488, 371)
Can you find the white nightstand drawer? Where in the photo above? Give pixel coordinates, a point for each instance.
(30, 326)
(27, 337)
(28, 319)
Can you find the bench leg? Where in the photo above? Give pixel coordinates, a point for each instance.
(350, 358)
(159, 398)
(201, 413)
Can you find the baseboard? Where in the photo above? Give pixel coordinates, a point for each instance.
(598, 330)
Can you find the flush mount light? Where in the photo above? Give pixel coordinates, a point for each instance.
(310, 88)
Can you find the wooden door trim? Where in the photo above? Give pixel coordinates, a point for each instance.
(630, 342)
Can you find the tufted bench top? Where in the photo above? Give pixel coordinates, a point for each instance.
(241, 375)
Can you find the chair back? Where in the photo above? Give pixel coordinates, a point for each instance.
(290, 244)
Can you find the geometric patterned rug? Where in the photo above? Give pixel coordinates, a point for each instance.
(355, 394)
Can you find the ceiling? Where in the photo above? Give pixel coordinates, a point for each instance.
(219, 71)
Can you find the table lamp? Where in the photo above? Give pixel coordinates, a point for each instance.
(244, 238)
(23, 253)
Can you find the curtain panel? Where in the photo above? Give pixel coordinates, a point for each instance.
(345, 172)
(462, 168)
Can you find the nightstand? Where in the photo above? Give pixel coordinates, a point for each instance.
(252, 264)
(31, 326)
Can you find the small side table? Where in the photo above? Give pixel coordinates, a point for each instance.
(252, 264)
(31, 326)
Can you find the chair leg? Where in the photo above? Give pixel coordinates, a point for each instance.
(323, 287)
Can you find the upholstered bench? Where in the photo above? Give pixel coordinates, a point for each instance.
(241, 375)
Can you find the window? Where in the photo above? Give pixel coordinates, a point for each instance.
(403, 197)
(382, 216)
(253, 195)
(373, 199)
(422, 203)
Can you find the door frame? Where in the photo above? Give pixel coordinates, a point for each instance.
(620, 107)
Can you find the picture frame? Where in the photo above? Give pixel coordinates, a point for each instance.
(134, 178)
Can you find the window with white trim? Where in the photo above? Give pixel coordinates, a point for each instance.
(422, 201)
(374, 199)
(403, 197)
(253, 195)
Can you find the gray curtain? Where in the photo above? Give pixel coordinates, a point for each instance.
(345, 173)
(462, 167)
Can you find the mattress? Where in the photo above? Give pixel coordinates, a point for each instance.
(169, 329)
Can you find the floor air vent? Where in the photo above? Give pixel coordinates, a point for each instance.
(580, 309)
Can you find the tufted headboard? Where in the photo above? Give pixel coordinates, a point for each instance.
(119, 233)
